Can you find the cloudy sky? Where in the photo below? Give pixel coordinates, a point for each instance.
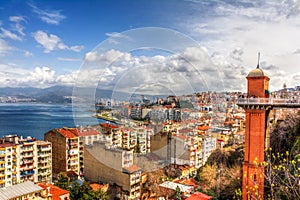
(193, 45)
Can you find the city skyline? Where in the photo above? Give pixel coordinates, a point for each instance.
(45, 43)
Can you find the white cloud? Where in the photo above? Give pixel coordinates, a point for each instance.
(40, 77)
(8, 34)
(53, 42)
(186, 72)
(4, 47)
(115, 37)
(67, 79)
(68, 59)
(19, 28)
(107, 57)
(235, 32)
(28, 54)
(48, 16)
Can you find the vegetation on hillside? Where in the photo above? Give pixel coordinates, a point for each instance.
(221, 176)
(80, 192)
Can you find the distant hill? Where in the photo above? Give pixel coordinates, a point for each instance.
(57, 94)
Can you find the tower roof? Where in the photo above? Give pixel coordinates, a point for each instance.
(257, 73)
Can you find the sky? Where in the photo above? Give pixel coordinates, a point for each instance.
(149, 46)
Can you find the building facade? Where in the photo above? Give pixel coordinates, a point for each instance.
(24, 159)
(67, 148)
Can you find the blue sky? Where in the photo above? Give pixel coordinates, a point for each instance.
(46, 43)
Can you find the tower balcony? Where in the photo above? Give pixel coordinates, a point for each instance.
(265, 103)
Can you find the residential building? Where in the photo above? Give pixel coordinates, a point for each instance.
(89, 135)
(113, 166)
(24, 159)
(67, 148)
(111, 135)
(44, 162)
(208, 144)
(9, 173)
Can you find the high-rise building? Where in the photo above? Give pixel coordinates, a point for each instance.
(24, 159)
(67, 148)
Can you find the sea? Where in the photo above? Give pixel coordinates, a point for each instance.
(36, 119)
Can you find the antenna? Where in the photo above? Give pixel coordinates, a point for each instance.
(258, 60)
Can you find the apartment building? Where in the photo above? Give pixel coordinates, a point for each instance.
(8, 165)
(67, 148)
(24, 159)
(89, 135)
(111, 135)
(208, 144)
(44, 162)
(113, 166)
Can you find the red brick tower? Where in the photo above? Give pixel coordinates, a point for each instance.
(256, 127)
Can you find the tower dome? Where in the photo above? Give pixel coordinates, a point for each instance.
(256, 72)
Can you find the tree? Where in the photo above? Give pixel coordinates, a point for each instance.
(281, 168)
(80, 192)
(178, 193)
(137, 148)
(63, 181)
(101, 195)
(75, 192)
(282, 176)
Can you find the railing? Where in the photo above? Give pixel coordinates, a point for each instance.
(268, 101)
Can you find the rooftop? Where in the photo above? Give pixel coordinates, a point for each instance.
(18, 190)
(88, 132)
(199, 196)
(68, 132)
(173, 186)
(109, 125)
(132, 169)
(257, 72)
(55, 191)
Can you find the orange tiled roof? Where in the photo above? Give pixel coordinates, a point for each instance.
(88, 132)
(189, 182)
(55, 191)
(203, 128)
(68, 132)
(132, 168)
(109, 125)
(199, 196)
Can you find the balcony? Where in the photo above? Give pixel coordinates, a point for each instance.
(44, 173)
(73, 152)
(73, 163)
(27, 173)
(272, 102)
(27, 155)
(44, 160)
(26, 168)
(43, 154)
(45, 149)
(26, 149)
(44, 166)
(73, 157)
(27, 161)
